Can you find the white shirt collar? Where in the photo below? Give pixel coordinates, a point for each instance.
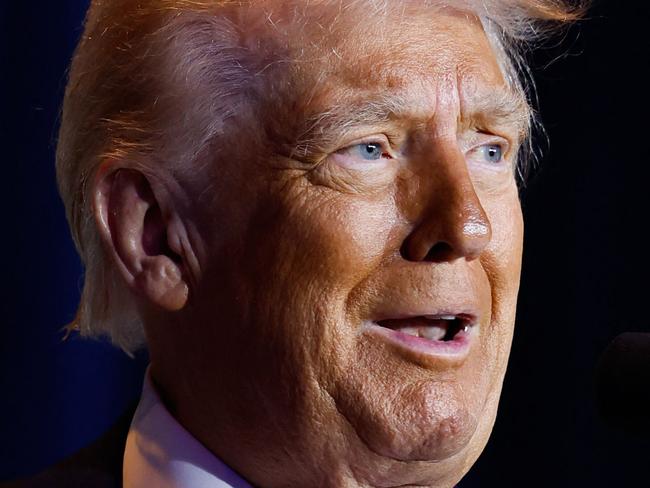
(160, 452)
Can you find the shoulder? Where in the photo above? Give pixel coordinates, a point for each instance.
(98, 465)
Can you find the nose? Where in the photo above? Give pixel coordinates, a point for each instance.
(452, 223)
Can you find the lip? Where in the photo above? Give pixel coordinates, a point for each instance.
(426, 351)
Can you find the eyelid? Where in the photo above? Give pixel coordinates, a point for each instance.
(379, 139)
(491, 140)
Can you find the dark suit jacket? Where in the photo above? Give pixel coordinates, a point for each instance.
(97, 466)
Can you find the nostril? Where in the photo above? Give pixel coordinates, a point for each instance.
(439, 252)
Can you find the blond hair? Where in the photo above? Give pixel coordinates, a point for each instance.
(127, 98)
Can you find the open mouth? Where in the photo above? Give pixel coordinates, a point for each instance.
(443, 328)
(438, 337)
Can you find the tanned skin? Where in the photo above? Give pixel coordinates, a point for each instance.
(376, 180)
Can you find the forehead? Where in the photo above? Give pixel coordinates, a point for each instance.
(425, 43)
(412, 59)
(388, 45)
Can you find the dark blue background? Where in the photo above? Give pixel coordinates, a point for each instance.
(54, 396)
(585, 264)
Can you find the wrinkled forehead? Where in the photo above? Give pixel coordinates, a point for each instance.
(336, 54)
(354, 34)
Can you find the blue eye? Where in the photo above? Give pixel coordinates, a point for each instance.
(493, 153)
(370, 151)
(373, 151)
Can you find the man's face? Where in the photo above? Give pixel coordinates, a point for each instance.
(360, 263)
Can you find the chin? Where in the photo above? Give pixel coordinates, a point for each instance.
(455, 455)
(420, 426)
(434, 449)
(428, 421)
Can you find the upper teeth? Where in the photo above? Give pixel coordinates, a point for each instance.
(440, 317)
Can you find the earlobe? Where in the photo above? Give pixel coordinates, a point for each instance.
(134, 231)
(162, 283)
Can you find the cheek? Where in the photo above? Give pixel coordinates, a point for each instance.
(312, 247)
(502, 257)
(305, 248)
(328, 239)
(502, 264)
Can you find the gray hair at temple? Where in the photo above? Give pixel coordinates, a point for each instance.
(160, 84)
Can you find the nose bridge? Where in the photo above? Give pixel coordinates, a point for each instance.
(452, 222)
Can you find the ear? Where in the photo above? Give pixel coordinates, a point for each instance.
(134, 231)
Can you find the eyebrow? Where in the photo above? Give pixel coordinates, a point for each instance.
(501, 108)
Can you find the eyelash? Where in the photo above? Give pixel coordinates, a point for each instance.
(504, 148)
(385, 151)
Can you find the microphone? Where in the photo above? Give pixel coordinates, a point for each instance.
(623, 383)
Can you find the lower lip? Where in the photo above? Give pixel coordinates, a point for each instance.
(454, 350)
